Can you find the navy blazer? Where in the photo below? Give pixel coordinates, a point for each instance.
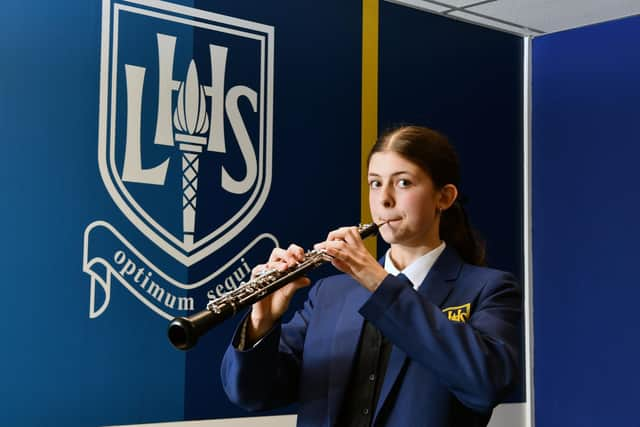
(454, 354)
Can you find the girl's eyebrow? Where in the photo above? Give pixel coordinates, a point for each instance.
(393, 174)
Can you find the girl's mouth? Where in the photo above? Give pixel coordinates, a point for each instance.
(389, 221)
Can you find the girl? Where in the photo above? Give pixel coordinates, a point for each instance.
(427, 337)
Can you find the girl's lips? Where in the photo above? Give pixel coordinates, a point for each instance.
(387, 221)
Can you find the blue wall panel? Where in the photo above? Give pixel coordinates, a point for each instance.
(586, 92)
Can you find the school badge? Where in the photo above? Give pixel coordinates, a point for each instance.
(459, 313)
(184, 151)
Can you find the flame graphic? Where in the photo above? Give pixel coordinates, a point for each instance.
(190, 115)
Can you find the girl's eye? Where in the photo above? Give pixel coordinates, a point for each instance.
(374, 184)
(403, 183)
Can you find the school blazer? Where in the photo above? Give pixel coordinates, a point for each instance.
(454, 356)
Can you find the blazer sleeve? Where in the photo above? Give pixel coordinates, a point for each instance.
(478, 360)
(266, 376)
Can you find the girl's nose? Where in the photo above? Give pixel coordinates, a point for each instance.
(386, 198)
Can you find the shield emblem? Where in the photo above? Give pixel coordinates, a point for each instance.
(185, 131)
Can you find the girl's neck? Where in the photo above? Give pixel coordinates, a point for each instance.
(403, 255)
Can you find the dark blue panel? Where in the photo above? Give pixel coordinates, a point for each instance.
(465, 81)
(585, 209)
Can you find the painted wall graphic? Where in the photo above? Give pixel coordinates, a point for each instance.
(154, 152)
(186, 156)
(585, 207)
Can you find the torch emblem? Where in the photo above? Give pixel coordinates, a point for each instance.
(191, 121)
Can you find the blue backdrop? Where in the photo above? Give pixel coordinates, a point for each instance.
(585, 210)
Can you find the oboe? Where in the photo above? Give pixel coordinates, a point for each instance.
(184, 331)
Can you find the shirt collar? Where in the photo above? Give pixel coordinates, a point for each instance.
(417, 271)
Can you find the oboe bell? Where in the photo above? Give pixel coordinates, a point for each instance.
(184, 332)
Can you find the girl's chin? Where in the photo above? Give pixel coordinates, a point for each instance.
(390, 235)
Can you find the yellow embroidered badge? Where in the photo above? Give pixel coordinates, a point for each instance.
(459, 313)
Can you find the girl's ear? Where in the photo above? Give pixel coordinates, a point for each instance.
(448, 195)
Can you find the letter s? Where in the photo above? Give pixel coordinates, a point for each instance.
(240, 132)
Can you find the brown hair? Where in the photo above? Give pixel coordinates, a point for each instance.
(432, 152)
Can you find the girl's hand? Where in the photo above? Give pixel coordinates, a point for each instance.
(352, 257)
(267, 311)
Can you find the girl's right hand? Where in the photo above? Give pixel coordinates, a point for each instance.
(266, 312)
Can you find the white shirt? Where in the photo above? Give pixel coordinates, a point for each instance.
(418, 269)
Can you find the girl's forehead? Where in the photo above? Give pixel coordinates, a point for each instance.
(386, 162)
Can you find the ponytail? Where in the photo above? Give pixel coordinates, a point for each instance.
(456, 231)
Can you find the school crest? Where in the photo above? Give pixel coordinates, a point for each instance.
(185, 126)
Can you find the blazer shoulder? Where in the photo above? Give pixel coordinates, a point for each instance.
(483, 277)
(489, 287)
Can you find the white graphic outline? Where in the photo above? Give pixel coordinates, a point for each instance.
(186, 254)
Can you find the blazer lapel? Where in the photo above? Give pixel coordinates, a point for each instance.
(345, 344)
(436, 287)
(438, 284)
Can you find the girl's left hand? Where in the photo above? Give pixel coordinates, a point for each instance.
(352, 257)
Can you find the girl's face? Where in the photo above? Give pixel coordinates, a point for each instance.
(401, 193)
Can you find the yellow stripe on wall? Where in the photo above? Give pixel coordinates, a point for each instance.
(369, 108)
